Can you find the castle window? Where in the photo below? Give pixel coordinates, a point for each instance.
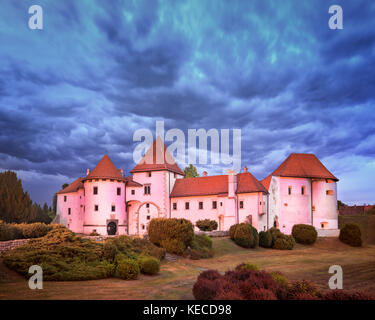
(96, 207)
(143, 226)
(133, 191)
(174, 205)
(221, 204)
(148, 189)
(119, 191)
(149, 174)
(214, 205)
(84, 208)
(148, 217)
(241, 204)
(329, 192)
(95, 190)
(69, 211)
(187, 205)
(64, 198)
(303, 190)
(113, 208)
(201, 205)
(289, 190)
(260, 203)
(147, 205)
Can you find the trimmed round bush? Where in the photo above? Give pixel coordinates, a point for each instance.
(232, 230)
(351, 235)
(304, 233)
(284, 242)
(274, 233)
(205, 289)
(206, 225)
(149, 265)
(175, 235)
(127, 269)
(265, 239)
(245, 236)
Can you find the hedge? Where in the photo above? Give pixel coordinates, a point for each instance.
(12, 231)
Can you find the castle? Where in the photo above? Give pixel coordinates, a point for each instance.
(300, 190)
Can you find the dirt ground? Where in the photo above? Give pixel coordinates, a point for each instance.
(176, 278)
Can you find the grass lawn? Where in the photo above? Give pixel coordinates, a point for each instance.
(176, 278)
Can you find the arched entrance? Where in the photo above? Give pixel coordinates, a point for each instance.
(111, 228)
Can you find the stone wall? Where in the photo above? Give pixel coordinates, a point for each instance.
(214, 233)
(8, 245)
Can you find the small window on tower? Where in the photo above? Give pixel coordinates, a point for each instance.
(200, 205)
(187, 205)
(148, 217)
(289, 190)
(69, 211)
(329, 192)
(133, 191)
(95, 190)
(302, 190)
(64, 198)
(147, 205)
(174, 205)
(214, 204)
(241, 204)
(119, 191)
(221, 204)
(113, 208)
(149, 174)
(96, 207)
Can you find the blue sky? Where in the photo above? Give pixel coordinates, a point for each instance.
(99, 70)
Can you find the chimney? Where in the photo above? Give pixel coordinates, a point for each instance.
(244, 169)
(122, 172)
(232, 183)
(204, 173)
(87, 172)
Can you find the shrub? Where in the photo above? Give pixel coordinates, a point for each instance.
(245, 236)
(304, 233)
(347, 295)
(275, 234)
(205, 289)
(109, 251)
(247, 266)
(232, 230)
(8, 232)
(210, 275)
(173, 246)
(284, 242)
(175, 235)
(127, 269)
(148, 265)
(279, 278)
(302, 287)
(206, 225)
(201, 247)
(265, 239)
(351, 235)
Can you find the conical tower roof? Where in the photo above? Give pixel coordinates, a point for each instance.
(105, 169)
(157, 158)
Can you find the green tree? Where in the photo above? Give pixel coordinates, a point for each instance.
(191, 171)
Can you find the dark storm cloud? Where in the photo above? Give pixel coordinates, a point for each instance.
(101, 70)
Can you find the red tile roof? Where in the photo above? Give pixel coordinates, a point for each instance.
(247, 183)
(267, 181)
(105, 169)
(303, 165)
(73, 187)
(215, 185)
(168, 163)
(131, 183)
